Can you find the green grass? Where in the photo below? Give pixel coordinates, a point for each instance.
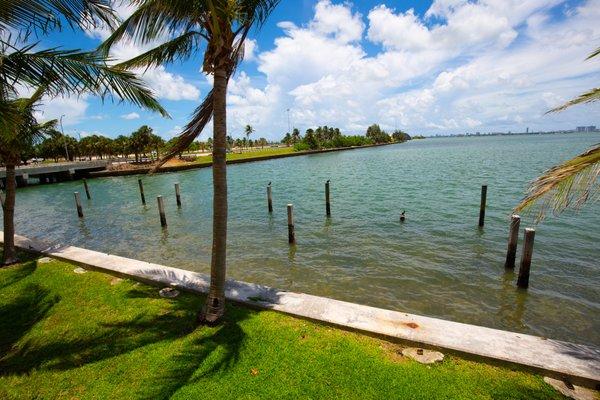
(253, 153)
(92, 336)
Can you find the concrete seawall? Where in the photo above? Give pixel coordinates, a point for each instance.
(579, 364)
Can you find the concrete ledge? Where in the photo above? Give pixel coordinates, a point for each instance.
(579, 364)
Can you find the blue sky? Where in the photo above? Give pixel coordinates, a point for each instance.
(441, 67)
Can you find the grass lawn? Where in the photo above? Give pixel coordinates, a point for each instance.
(92, 336)
(255, 153)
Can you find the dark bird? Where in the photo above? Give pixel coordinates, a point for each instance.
(327, 180)
(269, 183)
(402, 217)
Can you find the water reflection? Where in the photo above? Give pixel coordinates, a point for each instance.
(512, 302)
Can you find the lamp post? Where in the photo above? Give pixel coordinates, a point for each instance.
(64, 137)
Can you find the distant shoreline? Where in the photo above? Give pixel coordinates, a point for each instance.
(197, 165)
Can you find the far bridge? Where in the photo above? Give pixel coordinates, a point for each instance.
(55, 172)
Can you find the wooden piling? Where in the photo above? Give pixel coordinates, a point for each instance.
(269, 198)
(290, 217)
(178, 195)
(161, 211)
(523, 280)
(142, 191)
(87, 189)
(482, 205)
(78, 204)
(327, 199)
(2, 199)
(513, 239)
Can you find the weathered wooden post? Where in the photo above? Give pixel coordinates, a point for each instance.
(513, 239)
(327, 199)
(523, 280)
(290, 217)
(78, 204)
(142, 191)
(161, 211)
(269, 198)
(178, 195)
(2, 198)
(87, 189)
(482, 205)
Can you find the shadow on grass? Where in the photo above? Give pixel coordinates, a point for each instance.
(15, 273)
(204, 356)
(20, 315)
(204, 352)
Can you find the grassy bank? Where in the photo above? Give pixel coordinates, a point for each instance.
(232, 158)
(68, 335)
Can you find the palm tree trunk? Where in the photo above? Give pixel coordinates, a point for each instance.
(9, 256)
(215, 303)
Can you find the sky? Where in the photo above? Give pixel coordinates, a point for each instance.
(441, 67)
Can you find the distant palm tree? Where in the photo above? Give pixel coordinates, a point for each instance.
(248, 131)
(223, 25)
(572, 183)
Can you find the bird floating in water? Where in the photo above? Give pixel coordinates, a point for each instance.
(402, 217)
(269, 183)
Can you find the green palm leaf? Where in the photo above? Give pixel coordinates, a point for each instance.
(180, 48)
(570, 184)
(72, 71)
(44, 15)
(587, 97)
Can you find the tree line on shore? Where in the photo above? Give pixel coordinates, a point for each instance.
(324, 137)
(142, 143)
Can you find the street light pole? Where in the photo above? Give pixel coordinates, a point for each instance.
(64, 137)
(289, 126)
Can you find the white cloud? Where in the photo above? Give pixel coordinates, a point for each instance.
(132, 115)
(72, 107)
(250, 49)
(488, 64)
(166, 85)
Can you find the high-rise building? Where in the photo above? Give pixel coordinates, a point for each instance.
(590, 128)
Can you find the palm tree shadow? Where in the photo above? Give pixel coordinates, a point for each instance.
(206, 350)
(19, 316)
(14, 274)
(111, 339)
(210, 354)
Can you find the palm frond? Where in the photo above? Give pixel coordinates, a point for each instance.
(153, 19)
(72, 71)
(44, 15)
(201, 117)
(570, 184)
(594, 53)
(587, 97)
(180, 48)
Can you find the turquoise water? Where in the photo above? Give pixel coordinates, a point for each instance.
(437, 263)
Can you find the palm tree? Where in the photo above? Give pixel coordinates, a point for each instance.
(16, 136)
(53, 72)
(248, 130)
(222, 25)
(572, 183)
